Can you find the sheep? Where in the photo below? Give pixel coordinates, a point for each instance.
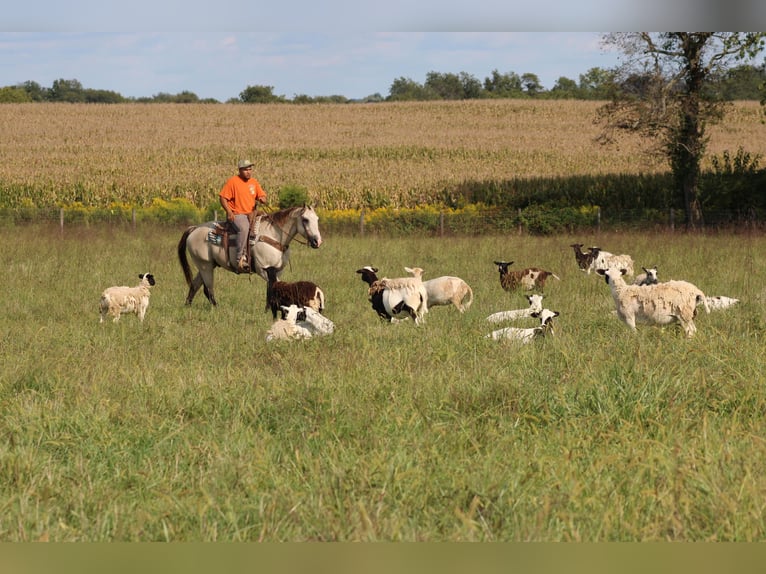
(403, 295)
(604, 260)
(660, 304)
(529, 278)
(286, 293)
(287, 326)
(317, 323)
(584, 258)
(446, 289)
(535, 306)
(529, 334)
(718, 302)
(116, 300)
(369, 275)
(648, 277)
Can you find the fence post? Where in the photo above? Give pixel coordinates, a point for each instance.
(61, 220)
(672, 220)
(361, 222)
(519, 219)
(598, 219)
(133, 218)
(441, 223)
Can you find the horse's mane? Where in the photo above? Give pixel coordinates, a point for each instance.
(281, 216)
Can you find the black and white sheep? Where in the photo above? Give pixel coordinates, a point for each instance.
(648, 277)
(584, 258)
(287, 327)
(529, 334)
(122, 299)
(286, 293)
(529, 278)
(660, 304)
(395, 298)
(369, 275)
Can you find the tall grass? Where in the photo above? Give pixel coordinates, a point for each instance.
(189, 427)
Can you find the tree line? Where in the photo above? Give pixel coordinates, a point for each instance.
(743, 82)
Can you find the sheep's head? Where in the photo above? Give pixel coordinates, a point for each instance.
(502, 266)
(415, 271)
(546, 317)
(369, 274)
(535, 301)
(293, 313)
(651, 275)
(147, 277)
(611, 273)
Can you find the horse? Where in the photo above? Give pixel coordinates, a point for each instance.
(270, 248)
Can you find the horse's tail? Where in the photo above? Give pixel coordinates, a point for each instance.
(182, 254)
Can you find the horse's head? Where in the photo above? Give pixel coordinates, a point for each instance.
(308, 226)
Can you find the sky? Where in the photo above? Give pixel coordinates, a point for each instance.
(336, 47)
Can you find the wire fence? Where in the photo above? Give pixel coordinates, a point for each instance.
(435, 223)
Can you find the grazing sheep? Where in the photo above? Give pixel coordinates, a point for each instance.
(287, 327)
(660, 304)
(529, 278)
(317, 323)
(604, 260)
(116, 300)
(535, 306)
(527, 335)
(718, 302)
(286, 293)
(648, 277)
(445, 290)
(584, 258)
(403, 295)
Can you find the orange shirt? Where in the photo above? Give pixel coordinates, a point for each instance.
(242, 194)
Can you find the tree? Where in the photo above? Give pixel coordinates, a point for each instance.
(503, 85)
(13, 95)
(404, 89)
(66, 91)
(565, 88)
(663, 95)
(259, 95)
(531, 83)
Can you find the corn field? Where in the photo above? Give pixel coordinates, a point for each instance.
(345, 156)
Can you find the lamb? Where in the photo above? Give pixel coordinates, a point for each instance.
(584, 258)
(527, 335)
(604, 260)
(370, 276)
(660, 304)
(286, 293)
(116, 300)
(287, 327)
(403, 295)
(535, 306)
(529, 278)
(315, 322)
(718, 302)
(445, 290)
(648, 277)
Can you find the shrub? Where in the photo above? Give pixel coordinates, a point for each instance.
(292, 196)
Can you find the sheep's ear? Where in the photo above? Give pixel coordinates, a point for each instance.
(536, 314)
(601, 272)
(140, 275)
(623, 271)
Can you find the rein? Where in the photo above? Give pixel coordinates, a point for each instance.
(270, 241)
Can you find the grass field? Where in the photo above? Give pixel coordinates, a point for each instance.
(345, 156)
(188, 427)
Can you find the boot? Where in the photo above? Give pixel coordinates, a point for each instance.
(242, 266)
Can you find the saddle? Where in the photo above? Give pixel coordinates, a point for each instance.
(222, 231)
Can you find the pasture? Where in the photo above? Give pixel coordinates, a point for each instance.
(189, 427)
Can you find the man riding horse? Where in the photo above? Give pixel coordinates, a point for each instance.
(238, 197)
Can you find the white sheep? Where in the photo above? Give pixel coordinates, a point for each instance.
(535, 306)
(529, 334)
(403, 296)
(604, 260)
(718, 302)
(317, 323)
(660, 304)
(448, 290)
(648, 277)
(287, 327)
(117, 300)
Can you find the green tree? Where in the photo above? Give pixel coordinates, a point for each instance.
(596, 84)
(404, 89)
(565, 88)
(66, 91)
(35, 91)
(531, 84)
(503, 85)
(13, 95)
(259, 95)
(673, 106)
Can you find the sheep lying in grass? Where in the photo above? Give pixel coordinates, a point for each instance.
(287, 327)
(535, 306)
(527, 335)
(317, 323)
(403, 296)
(660, 304)
(648, 277)
(117, 300)
(718, 302)
(286, 293)
(604, 260)
(448, 290)
(584, 258)
(529, 278)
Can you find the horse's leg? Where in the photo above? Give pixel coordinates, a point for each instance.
(194, 286)
(207, 280)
